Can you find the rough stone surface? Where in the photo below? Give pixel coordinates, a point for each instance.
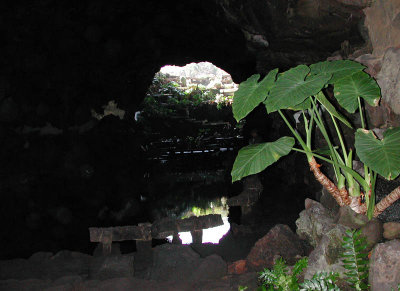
(174, 263)
(383, 22)
(326, 256)
(349, 218)
(42, 266)
(65, 280)
(388, 78)
(384, 273)
(373, 232)
(391, 230)
(373, 63)
(358, 3)
(107, 267)
(328, 201)
(181, 268)
(238, 267)
(28, 284)
(314, 222)
(211, 267)
(280, 241)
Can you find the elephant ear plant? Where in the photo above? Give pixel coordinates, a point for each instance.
(303, 89)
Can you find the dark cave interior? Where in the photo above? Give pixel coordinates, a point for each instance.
(62, 59)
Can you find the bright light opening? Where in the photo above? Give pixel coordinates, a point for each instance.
(210, 235)
(204, 76)
(213, 234)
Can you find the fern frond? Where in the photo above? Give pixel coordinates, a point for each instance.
(268, 277)
(300, 266)
(280, 267)
(321, 281)
(355, 259)
(278, 278)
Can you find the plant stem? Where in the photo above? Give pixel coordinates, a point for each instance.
(343, 167)
(340, 138)
(320, 124)
(367, 175)
(296, 135)
(328, 184)
(387, 201)
(370, 200)
(360, 108)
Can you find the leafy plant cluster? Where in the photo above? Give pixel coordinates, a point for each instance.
(164, 97)
(303, 89)
(354, 259)
(279, 278)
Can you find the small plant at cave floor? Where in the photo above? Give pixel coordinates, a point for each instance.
(321, 281)
(278, 278)
(355, 259)
(304, 89)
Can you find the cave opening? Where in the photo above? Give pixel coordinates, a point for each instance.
(191, 139)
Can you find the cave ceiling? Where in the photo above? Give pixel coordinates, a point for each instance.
(73, 55)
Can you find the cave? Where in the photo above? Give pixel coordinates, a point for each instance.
(74, 80)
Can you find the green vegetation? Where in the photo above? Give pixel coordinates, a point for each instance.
(355, 259)
(278, 278)
(165, 98)
(304, 89)
(321, 281)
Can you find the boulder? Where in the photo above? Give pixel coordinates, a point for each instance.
(67, 280)
(349, 218)
(28, 284)
(40, 257)
(326, 256)
(384, 272)
(391, 230)
(388, 78)
(119, 284)
(174, 263)
(373, 232)
(44, 265)
(280, 241)
(238, 267)
(212, 267)
(373, 63)
(383, 22)
(328, 201)
(107, 267)
(358, 3)
(65, 263)
(314, 222)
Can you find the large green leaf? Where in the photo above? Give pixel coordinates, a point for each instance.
(339, 69)
(251, 93)
(347, 91)
(306, 104)
(292, 88)
(255, 158)
(382, 156)
(331, 109)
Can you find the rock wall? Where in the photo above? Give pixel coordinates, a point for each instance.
(382, 19)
